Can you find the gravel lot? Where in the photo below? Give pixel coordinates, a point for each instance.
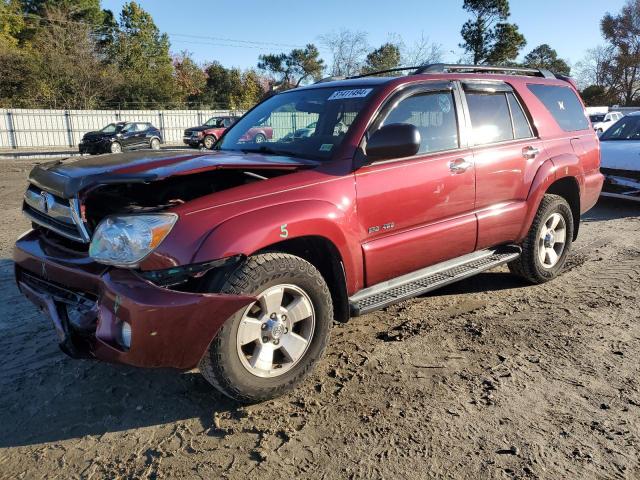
(489, 378)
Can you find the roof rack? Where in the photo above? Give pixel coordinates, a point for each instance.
(332, 78)
(451, 67)
(390, 70)
(454, 67)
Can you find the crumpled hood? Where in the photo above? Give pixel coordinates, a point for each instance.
(66, 178)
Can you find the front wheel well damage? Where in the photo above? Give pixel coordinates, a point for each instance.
(568, 189)
(323, 255)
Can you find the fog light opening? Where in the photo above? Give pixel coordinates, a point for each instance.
(124, 338)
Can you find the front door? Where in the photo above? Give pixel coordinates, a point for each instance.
(418, 211)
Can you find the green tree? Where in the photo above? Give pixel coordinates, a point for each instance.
(68, 71)
(190, 78)
(543, 56)
(86, 11)
(11, 22)
(292, 69)
(622, 31)
(141, 53)
(597, 95)
(383, 58)
(487, 35)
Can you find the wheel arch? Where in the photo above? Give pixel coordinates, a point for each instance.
(325, 256)
(568, 188)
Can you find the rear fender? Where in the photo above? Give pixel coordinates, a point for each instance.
(250, 232)
(560, 166)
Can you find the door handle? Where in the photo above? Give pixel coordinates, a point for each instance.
(459, 165)
(530, 152)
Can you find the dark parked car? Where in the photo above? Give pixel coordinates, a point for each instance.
(120, 136)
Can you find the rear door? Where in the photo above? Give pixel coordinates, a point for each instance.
(506, 154)
(418, 211)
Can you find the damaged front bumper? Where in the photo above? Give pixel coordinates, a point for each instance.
(89, 304)
(621, 184)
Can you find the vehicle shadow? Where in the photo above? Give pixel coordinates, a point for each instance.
(612, 209)
(48, 397)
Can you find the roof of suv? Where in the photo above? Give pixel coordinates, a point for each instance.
(441, 72)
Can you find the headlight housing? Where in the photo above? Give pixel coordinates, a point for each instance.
(124, 240)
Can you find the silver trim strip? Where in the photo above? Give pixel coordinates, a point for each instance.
(51, 227)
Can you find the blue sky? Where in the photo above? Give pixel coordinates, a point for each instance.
(569, 26)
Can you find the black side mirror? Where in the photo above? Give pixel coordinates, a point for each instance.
(397, 140)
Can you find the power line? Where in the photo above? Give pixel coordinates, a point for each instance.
(207, 40)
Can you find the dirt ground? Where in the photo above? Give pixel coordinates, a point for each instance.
(489, 378)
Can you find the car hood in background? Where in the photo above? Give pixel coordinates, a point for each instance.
(66, 178)
(620, 154)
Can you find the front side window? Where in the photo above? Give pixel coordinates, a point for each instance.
(279, 121)
(563, 104)
(490, 118)
(434, 114)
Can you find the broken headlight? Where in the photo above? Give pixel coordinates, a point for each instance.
(124, 240)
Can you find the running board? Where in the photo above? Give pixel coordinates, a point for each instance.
(430, 278)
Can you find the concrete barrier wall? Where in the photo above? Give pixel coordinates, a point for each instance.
(26, 128)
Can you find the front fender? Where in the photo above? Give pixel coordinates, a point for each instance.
(250, 232)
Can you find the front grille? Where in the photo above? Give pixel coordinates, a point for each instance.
(55, 213)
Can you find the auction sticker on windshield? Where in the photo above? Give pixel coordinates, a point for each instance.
(357, 93)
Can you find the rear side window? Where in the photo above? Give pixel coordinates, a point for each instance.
(521, 127)
(434, 114)
(563, 104)
(490, 117)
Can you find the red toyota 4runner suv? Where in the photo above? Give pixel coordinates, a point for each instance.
(239, 260)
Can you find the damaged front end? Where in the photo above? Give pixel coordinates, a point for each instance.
(104, 307)
(624, 184)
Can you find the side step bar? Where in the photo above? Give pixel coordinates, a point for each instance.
(429, 278)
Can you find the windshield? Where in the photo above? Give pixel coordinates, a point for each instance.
(214, 122)
(627, 128)
(596, 118)
(274, 125)
(112, 128)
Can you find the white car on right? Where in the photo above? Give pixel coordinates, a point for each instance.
(620, 158)
(602, 121)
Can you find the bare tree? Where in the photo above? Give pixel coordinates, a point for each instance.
(595, 67)
(348, 49)
(422, 52)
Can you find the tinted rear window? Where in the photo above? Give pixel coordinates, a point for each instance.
(564, 105)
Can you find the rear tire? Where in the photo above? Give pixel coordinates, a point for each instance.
(545, 249)
(154, 144)
(259, 138)
(259, 353)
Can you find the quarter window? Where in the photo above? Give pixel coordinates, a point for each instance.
(434, 114)
(521, 127)
(563, 104)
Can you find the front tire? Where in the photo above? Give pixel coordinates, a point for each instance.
(267, 348)
(259, 138)
(209, 141)
(545, 249)
(115, 148)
